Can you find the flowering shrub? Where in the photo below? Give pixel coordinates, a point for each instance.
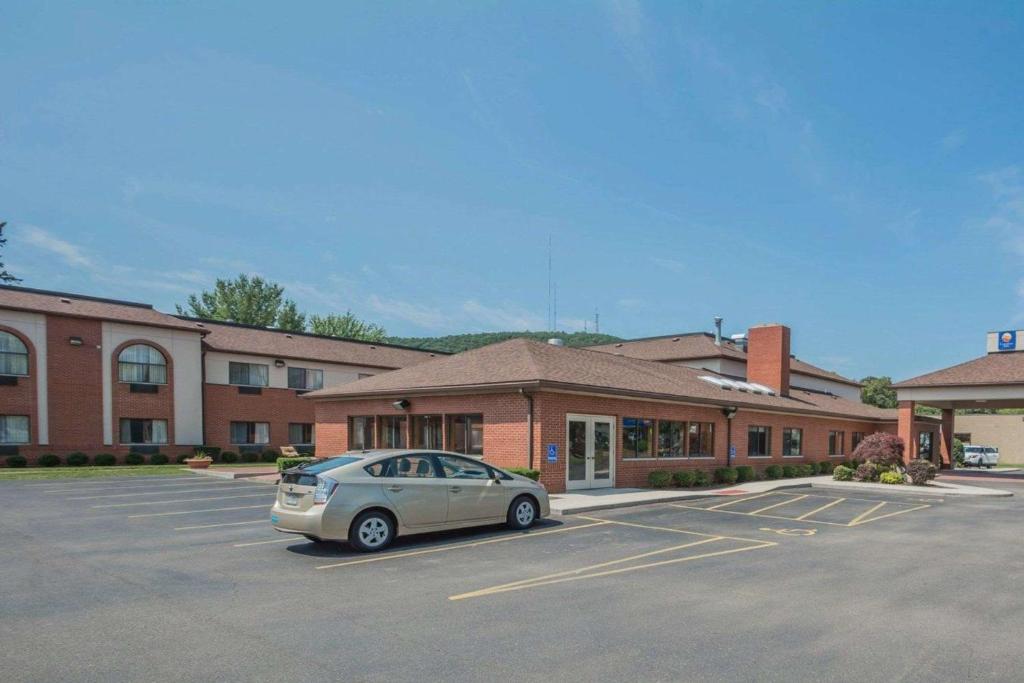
(866, 472)
(881, 448)
(921, 471)
(891, 478)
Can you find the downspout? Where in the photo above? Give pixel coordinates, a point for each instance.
(529, 427)
(202, 391)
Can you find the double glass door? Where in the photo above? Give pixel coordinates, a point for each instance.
(590, 449)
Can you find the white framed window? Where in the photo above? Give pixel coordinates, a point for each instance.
(14, 429)
(250, 433)
(143, 431)
(248, 374)
(13, 355)
(141, 364)
(305, 378)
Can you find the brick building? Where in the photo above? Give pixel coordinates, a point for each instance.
(607, 416)
(80, 373)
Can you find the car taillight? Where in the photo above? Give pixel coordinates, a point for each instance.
(325, 486)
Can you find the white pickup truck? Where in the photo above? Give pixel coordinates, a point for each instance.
(980, 456)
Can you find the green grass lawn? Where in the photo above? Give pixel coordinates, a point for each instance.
(90, 471)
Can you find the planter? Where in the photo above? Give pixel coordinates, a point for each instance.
(198, 463)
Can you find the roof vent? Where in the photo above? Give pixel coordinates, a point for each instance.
(289, 336)
(555, 341)
(200, 325)
(372, 346)
(618, 346)
(65, 300)
(675, 338)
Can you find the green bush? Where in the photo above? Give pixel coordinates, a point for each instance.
(773, 471)
(49, 460)
(745, 473)
(131, 459)
(683, 478)
(523, 471)
(958, 452)
(813, 468)
(825, 467)
(842, 473)
(101, 460)
(158, 459)
(247, 456)
(866, 472)
(726, 475)
(183, 457)
(17, 461)
(228, 457)
(789, 471)
(921, 471)
(287, 463)
(659, 479)
(78, 459)
(212, 451)
(806, 470)
(891, 478)
(269, 456)
(701, 478)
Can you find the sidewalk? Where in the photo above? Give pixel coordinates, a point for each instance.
(257, 473)
(576, 502)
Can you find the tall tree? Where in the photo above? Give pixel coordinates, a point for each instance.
(878, 391)
(4, 275)
(248, 300)
(347, 325)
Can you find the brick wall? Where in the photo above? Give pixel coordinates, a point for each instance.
(278, 407)
(74, 385)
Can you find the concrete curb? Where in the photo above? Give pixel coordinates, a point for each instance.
(230, 474)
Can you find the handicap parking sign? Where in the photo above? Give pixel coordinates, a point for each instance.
(552, 452)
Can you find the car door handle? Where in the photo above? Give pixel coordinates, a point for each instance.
(395, 488)
(454, 489)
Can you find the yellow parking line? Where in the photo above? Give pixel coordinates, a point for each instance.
(186, 500)
(777, 505)
(151, 493)
(862, 515)
(491, 591)
(740, 500)
(456, 546)
(749, 514)
(891, 514)
(276, 540)
(677, 531)
(824, 507)
(210, 526)
(193, 512)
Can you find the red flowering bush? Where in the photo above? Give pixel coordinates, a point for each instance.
(880, 448)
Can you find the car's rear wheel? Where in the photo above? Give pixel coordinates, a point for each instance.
(371, 531)
(523, 512)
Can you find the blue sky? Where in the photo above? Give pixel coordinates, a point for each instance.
(854, 170)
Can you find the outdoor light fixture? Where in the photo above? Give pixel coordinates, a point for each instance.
(75, 341)
(401, 404)
(729, 412)
(278, 363)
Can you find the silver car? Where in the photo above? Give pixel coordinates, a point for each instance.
(369, 497)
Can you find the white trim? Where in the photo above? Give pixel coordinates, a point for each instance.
(589, 481)
(793, 456)
(759, 457)
(106, 349)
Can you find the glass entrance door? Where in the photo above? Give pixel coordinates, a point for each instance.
(590, 451)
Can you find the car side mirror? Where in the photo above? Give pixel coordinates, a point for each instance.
(496, 478)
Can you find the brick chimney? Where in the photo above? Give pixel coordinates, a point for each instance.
(768, 356)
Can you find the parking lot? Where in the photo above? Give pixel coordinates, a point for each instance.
(182, 577)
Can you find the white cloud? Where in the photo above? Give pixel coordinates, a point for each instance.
(630, 27)
(772, 97)
(1007, 217)
(417, 314)
(501, 318)
(953, 140)
(71, 254)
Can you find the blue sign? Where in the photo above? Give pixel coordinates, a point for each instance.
(273, 519)
(552, 452)
(1008, 340)
(732, 451)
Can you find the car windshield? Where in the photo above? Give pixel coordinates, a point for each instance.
(330, 464)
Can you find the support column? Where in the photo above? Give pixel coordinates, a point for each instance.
(946, 439)
(905, 430)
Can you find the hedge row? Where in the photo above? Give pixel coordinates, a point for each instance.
(79, 459)
(733, 475)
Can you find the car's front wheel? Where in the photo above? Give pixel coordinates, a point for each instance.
(523, 512)
(372, 531)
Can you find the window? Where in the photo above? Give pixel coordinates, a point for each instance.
(392, 431)
(759, 441)
(836, 443)
(13, 429)
(410, 466)
(360, 433)
(143, 431)
(141, 364)
(637, 437)
(466, 434)
(792, 441)
(300, 433)
(13, 355)
(855, 439)
(701, 440)
(305, 378)
(670, 439)
(463, 468)
(248, 374)
(924, 445)
(243, 433)
(426, 432)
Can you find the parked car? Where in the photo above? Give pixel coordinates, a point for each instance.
(980, 456)
(370, 497)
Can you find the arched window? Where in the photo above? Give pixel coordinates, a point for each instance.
(141, 364)
(13, 355)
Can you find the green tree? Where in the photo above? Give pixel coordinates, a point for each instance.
(878, 391)
(347, 325)
(4, 275)
(247, 300)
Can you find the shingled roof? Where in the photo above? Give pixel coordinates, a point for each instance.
(995, 368)
(697, 345)
(260, 341)
(80, 306)
(523, 363)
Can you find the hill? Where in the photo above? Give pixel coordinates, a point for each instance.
(455, 343)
